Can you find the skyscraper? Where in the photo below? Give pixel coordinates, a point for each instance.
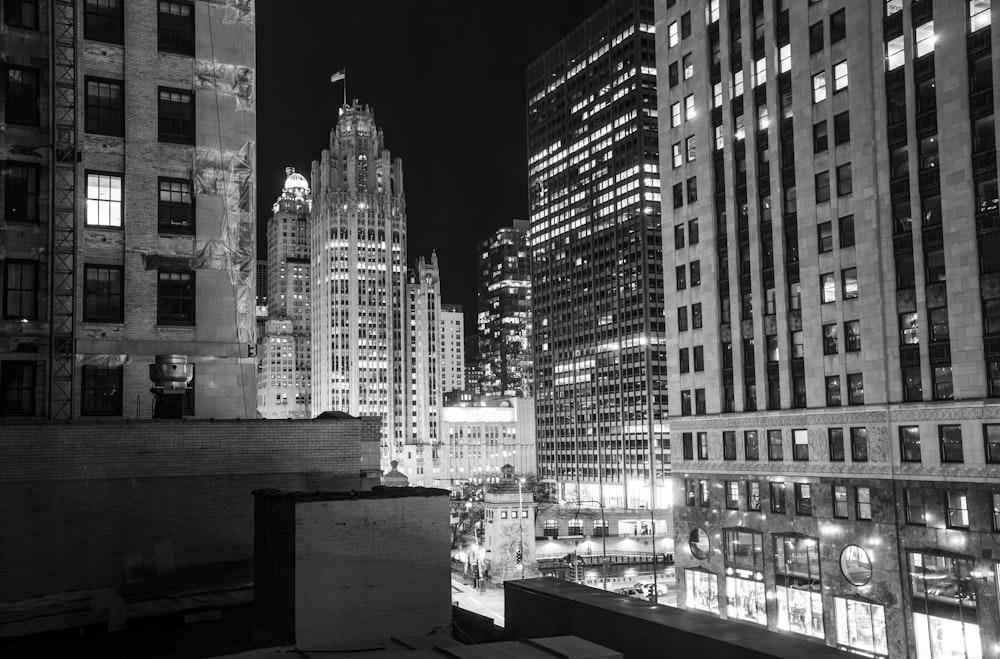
(504, 314)
(452, 348)
(597, 279)
(423, 360)
(283, 374)
(358, 272)
(832, 193)
(128, 214)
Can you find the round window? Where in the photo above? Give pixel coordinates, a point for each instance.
(856, 565)
(699, 543)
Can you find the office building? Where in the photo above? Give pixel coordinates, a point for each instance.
(452, 348)
(832, 231)
(358, 270)
(485, 433)
(128, 205)
(504, 314)
(421, 458)
(597, 268)
(284, 354)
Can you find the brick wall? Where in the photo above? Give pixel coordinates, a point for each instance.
(153, 506)
(363, 564)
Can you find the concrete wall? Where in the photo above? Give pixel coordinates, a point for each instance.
(144, 508)
(363, 563)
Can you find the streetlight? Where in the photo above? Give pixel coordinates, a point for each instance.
(652, 522)
(604, 535)
(520, 525)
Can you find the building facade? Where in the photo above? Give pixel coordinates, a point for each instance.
(504, 314)
(284, 385)
(597, 266)
(832, 340)
(452, 348)
(109, 178)
(482, 434)
(422, 458)
(358, 270)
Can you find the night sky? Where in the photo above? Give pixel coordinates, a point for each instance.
(446, 83)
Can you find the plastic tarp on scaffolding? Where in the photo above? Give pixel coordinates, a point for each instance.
(230, 176)
(228, 79)
(237, 11)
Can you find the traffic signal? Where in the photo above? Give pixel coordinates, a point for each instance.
(520, 556)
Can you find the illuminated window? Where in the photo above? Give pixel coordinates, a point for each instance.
(863, 502)
(738, 83)
(677, 154)
(840, 503)
(828, 288)
(785, 58)
(979, 14)
(958, 509)
(833, 390)
(924, 38)
(689, 147)
(800, 447)
(855, 389)
(840, 76)
(104, 200)
(673, 35)
(689, 111)
(894, 56)
(819, 87)
(675, 115)
(688, 65)
(850, 281)
(717, 95)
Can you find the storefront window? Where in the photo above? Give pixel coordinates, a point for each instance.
(797, 585)
(945, 618)
(702, 590)
(861, 626)
(745, 598)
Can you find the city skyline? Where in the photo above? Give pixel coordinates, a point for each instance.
(408, 77)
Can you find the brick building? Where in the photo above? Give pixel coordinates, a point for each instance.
(128, 156)
(832, 215)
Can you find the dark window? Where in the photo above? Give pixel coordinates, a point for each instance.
(687, 444)
(991, 437)
(846, 231)
(859, 444)
(703, 494)
(835, 437)
(692, 187)
(825, 230)
(916, 506)
(939, 324)
(913, 388)
(822, 187)
(855, 389)
(838, 26)
(909, 443)
(849, 279)
(681, 272)
(102, 20)
(103, 289)
(176, 112)
(830, 343)
(777, 497)
(819, 137)
(175, 209)
(728, 445)
(815, 38)
(674, 77)
(800, 444)
(175, 298)
(21, 97)
(775, 451)
(678, 191)
(175, 27)
(696, 315)
(958, 509)
(105, 107)
(863, 502)
(679, 236)
(20, 290)
(753, 496)
(842, 128)
(21, 13)
(733, 495)
(695, 273)
(20, 184)
(690, 491)
(751, 446)
(699, 401)
(951, 443)
(935, 267)
(685, 25)
(702, 438)
(845, 184)
(685, 363)
(803, 499)
(833, 391)
(686, 402)
(693, 231)
(17, 388)
(698, 356)
(101, 392)
(996, 512)
(840, 503)
(682, 319)
(943, 389)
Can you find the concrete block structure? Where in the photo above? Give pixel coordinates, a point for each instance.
(129, 135)
(832, 216)
(339, 569)
(122, 519)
